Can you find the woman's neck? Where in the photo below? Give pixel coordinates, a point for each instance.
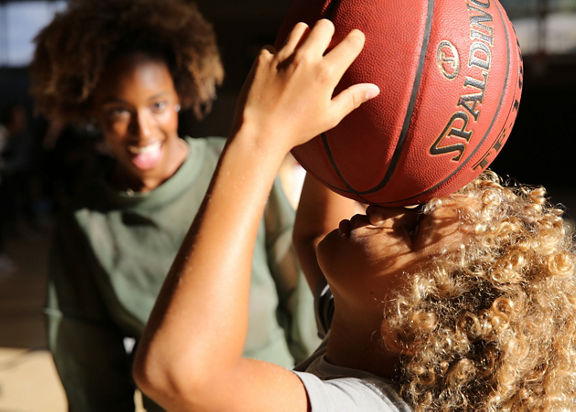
(355, 342)
(127, 183)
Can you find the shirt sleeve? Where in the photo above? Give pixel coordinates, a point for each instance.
(296, 300)
(88, 350)
(350, 395)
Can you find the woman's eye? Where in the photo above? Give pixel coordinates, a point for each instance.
(158, 107)
(117, 113)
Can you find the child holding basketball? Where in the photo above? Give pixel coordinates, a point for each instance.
(128, 67)
(467, 303)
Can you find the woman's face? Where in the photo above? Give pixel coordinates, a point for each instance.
(368, 256)
(137, 108)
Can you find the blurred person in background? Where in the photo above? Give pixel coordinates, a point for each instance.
(128, 67)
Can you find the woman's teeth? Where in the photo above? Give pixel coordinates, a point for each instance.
(144, 149)
(146, 157)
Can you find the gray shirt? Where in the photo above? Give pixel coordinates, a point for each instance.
(333, 388)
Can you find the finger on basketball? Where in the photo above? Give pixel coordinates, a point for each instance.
(345, 52)
(296, 36)
(352, 97)
(318, 38)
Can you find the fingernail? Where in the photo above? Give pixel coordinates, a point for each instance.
(371, 91)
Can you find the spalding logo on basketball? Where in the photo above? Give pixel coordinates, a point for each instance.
(450, 74)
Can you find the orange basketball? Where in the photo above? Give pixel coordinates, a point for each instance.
(450, 75)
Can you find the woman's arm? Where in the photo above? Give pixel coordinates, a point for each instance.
(190, 357)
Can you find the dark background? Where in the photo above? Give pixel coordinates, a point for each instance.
(540, 150)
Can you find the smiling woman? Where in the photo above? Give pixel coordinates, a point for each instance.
(137, 106)
(128, 67)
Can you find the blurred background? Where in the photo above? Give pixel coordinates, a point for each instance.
(538, 152)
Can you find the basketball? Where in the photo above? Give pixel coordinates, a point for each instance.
(450, 75)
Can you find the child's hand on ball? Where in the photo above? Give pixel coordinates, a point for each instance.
(289, 95)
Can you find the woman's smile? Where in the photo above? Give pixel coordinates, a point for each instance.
(147, 156)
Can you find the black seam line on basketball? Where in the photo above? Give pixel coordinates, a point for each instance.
(491, 124)
(335, 167)
(411, 105)
(407, 119)
(329, 13)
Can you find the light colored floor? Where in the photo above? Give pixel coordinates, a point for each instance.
(28, 380)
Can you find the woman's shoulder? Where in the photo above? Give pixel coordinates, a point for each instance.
(210, 144)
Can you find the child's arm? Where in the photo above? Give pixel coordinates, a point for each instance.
(190, 357)
(319, 212)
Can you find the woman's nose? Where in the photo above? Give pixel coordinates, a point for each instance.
(142, 124)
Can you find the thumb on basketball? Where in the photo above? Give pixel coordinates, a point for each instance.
(352, 98)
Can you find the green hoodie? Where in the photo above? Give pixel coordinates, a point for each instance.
(110, 256)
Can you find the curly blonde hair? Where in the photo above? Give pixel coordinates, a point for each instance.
(493, 327)
(74, 49)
